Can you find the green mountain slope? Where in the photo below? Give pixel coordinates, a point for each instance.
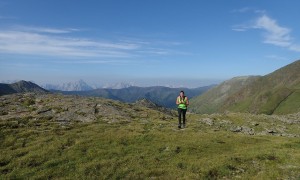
(212, 100)
(268, 93)
(277, 92)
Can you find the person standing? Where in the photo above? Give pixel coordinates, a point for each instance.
(182, 102)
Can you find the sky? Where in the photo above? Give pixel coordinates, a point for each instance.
(145, 42)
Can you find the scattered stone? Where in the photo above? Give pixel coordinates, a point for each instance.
(65, 110)
(208, 121)
(247, 130)
(243, 129)
(271, 131)
(43, 110)
(236, 129)
(254, 123)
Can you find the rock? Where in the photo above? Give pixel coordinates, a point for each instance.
(43, 110)
(254, 123)
(208, 121)
(271, 131)
(236, 129)
(243, 129)
(247, 130)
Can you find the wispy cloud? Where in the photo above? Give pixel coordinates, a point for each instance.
(38, 44)
(248, 9)
(276, 57)
(273, 33)
(61, 43)
(44, 29)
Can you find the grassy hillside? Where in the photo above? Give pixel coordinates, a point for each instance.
(212, 100)
(54, 136)
(267, 93)
(275, 93)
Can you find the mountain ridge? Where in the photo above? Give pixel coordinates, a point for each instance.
(79, 85)
(20, 87)
(163, 96)
(275, 93)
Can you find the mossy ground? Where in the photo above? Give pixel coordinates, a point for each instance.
(142, 148)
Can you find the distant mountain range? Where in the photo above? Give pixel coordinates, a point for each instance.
(20, 87)
(275, 93)
(120, 85)
(83, 86)
(70, 86)
(163, 96)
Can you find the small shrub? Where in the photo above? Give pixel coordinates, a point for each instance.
(180, 165)
(28, 102)
(213, 174)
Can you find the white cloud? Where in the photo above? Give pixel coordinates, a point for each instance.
(238, 29)
(248, 9)
(38, 44)
(274, 33)
(60, 43)
(44, 29)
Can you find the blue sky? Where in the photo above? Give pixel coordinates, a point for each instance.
(168, 42)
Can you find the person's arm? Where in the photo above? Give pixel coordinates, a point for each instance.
(177, 101)
(187, 101)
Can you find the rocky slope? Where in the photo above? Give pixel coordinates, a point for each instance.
(69, 109)
(65, 110)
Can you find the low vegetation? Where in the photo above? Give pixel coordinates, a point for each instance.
(137, 142)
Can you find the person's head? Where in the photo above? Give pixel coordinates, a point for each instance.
(181, 93)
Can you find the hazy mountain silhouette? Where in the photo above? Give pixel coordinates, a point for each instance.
(163, 96)
(70, 86)
(20, 87)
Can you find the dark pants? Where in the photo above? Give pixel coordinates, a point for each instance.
(183, 112)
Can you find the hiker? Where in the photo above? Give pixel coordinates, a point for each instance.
(182, 102)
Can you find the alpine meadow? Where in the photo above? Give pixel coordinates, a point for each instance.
(141, 89)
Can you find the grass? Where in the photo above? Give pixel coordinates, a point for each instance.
(148, 148)
(291, 104)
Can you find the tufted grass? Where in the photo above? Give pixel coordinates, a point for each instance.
(143, 148)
